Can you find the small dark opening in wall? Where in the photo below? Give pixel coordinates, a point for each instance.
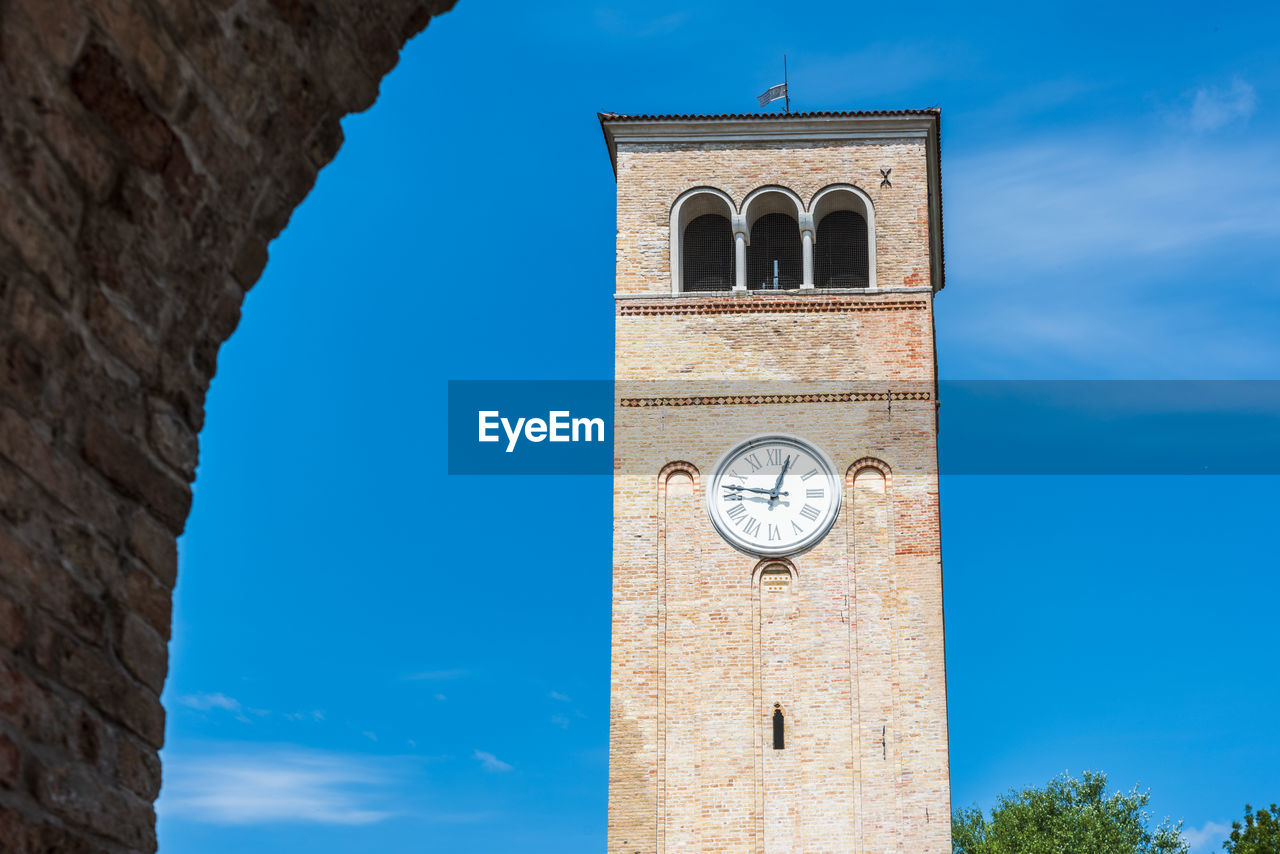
(841, 259)
(774, 237)
(779, 728)
(707, 264)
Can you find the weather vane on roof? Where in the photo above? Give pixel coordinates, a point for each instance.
(773, 93)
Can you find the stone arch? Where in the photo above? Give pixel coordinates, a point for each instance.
(150, 153)
(869, 463)
(774, 217)
(678, 470)
(770, 564)
(688, 206)
(771, 198)
(847, 197)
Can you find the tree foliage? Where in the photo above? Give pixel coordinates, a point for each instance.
(1260, 833)
(1067, 816)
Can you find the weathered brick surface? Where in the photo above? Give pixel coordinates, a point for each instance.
(851, 646)
(150, 150)
(647, 174)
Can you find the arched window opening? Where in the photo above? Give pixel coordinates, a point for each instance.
(707, 262)
(775, 256)
(779, 728)
(840, 255)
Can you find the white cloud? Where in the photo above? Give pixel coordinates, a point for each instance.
(489, 762)
(1206, 839)
(1213, 107)
(557, 696)
(275, 786)
(1082, 200)
(1091, 252)
(205, 702)
(219, 702)
(560, 721)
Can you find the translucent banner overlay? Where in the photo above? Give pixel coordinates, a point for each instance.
(984, 426)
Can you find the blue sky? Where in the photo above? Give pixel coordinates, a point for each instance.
(343, 681)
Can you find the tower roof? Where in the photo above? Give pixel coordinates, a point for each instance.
(775, 116)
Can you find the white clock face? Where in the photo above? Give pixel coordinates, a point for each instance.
(773, 495)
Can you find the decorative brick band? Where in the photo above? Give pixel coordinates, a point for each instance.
(765, 305)
(753, 399)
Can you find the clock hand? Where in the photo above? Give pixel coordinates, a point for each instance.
(772, 502)
(785, 465)
(750, 489)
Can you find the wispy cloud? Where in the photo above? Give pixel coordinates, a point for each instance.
(558, 697)
(561, 721)
(1206, 839)
(435, 675)
(489, 762)
(1072, 247)
(618, 23)
(217, 702)
(1084, 199)
(205, 702)
(277, 786)
(313, 715)
(1214, 107)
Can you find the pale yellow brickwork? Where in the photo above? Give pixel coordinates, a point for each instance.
(847, 638)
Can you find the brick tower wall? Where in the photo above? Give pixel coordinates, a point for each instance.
(852, 647)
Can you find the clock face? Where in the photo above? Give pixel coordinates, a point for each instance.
(773, 495)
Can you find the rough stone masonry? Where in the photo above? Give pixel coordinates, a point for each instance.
(149, 152)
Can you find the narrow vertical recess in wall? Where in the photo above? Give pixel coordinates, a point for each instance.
(778, 784)
(678, 491)
(873, 614)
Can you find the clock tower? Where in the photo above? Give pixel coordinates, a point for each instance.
(778, 668)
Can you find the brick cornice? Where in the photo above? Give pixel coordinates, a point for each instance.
(755, 304)
(765, 399)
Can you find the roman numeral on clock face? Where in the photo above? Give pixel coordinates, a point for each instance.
(772, 495)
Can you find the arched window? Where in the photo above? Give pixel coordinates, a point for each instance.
(840, 257)
(774, 258)
(844, 246)
(707, 248)
(779, 728)
(702, 248)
